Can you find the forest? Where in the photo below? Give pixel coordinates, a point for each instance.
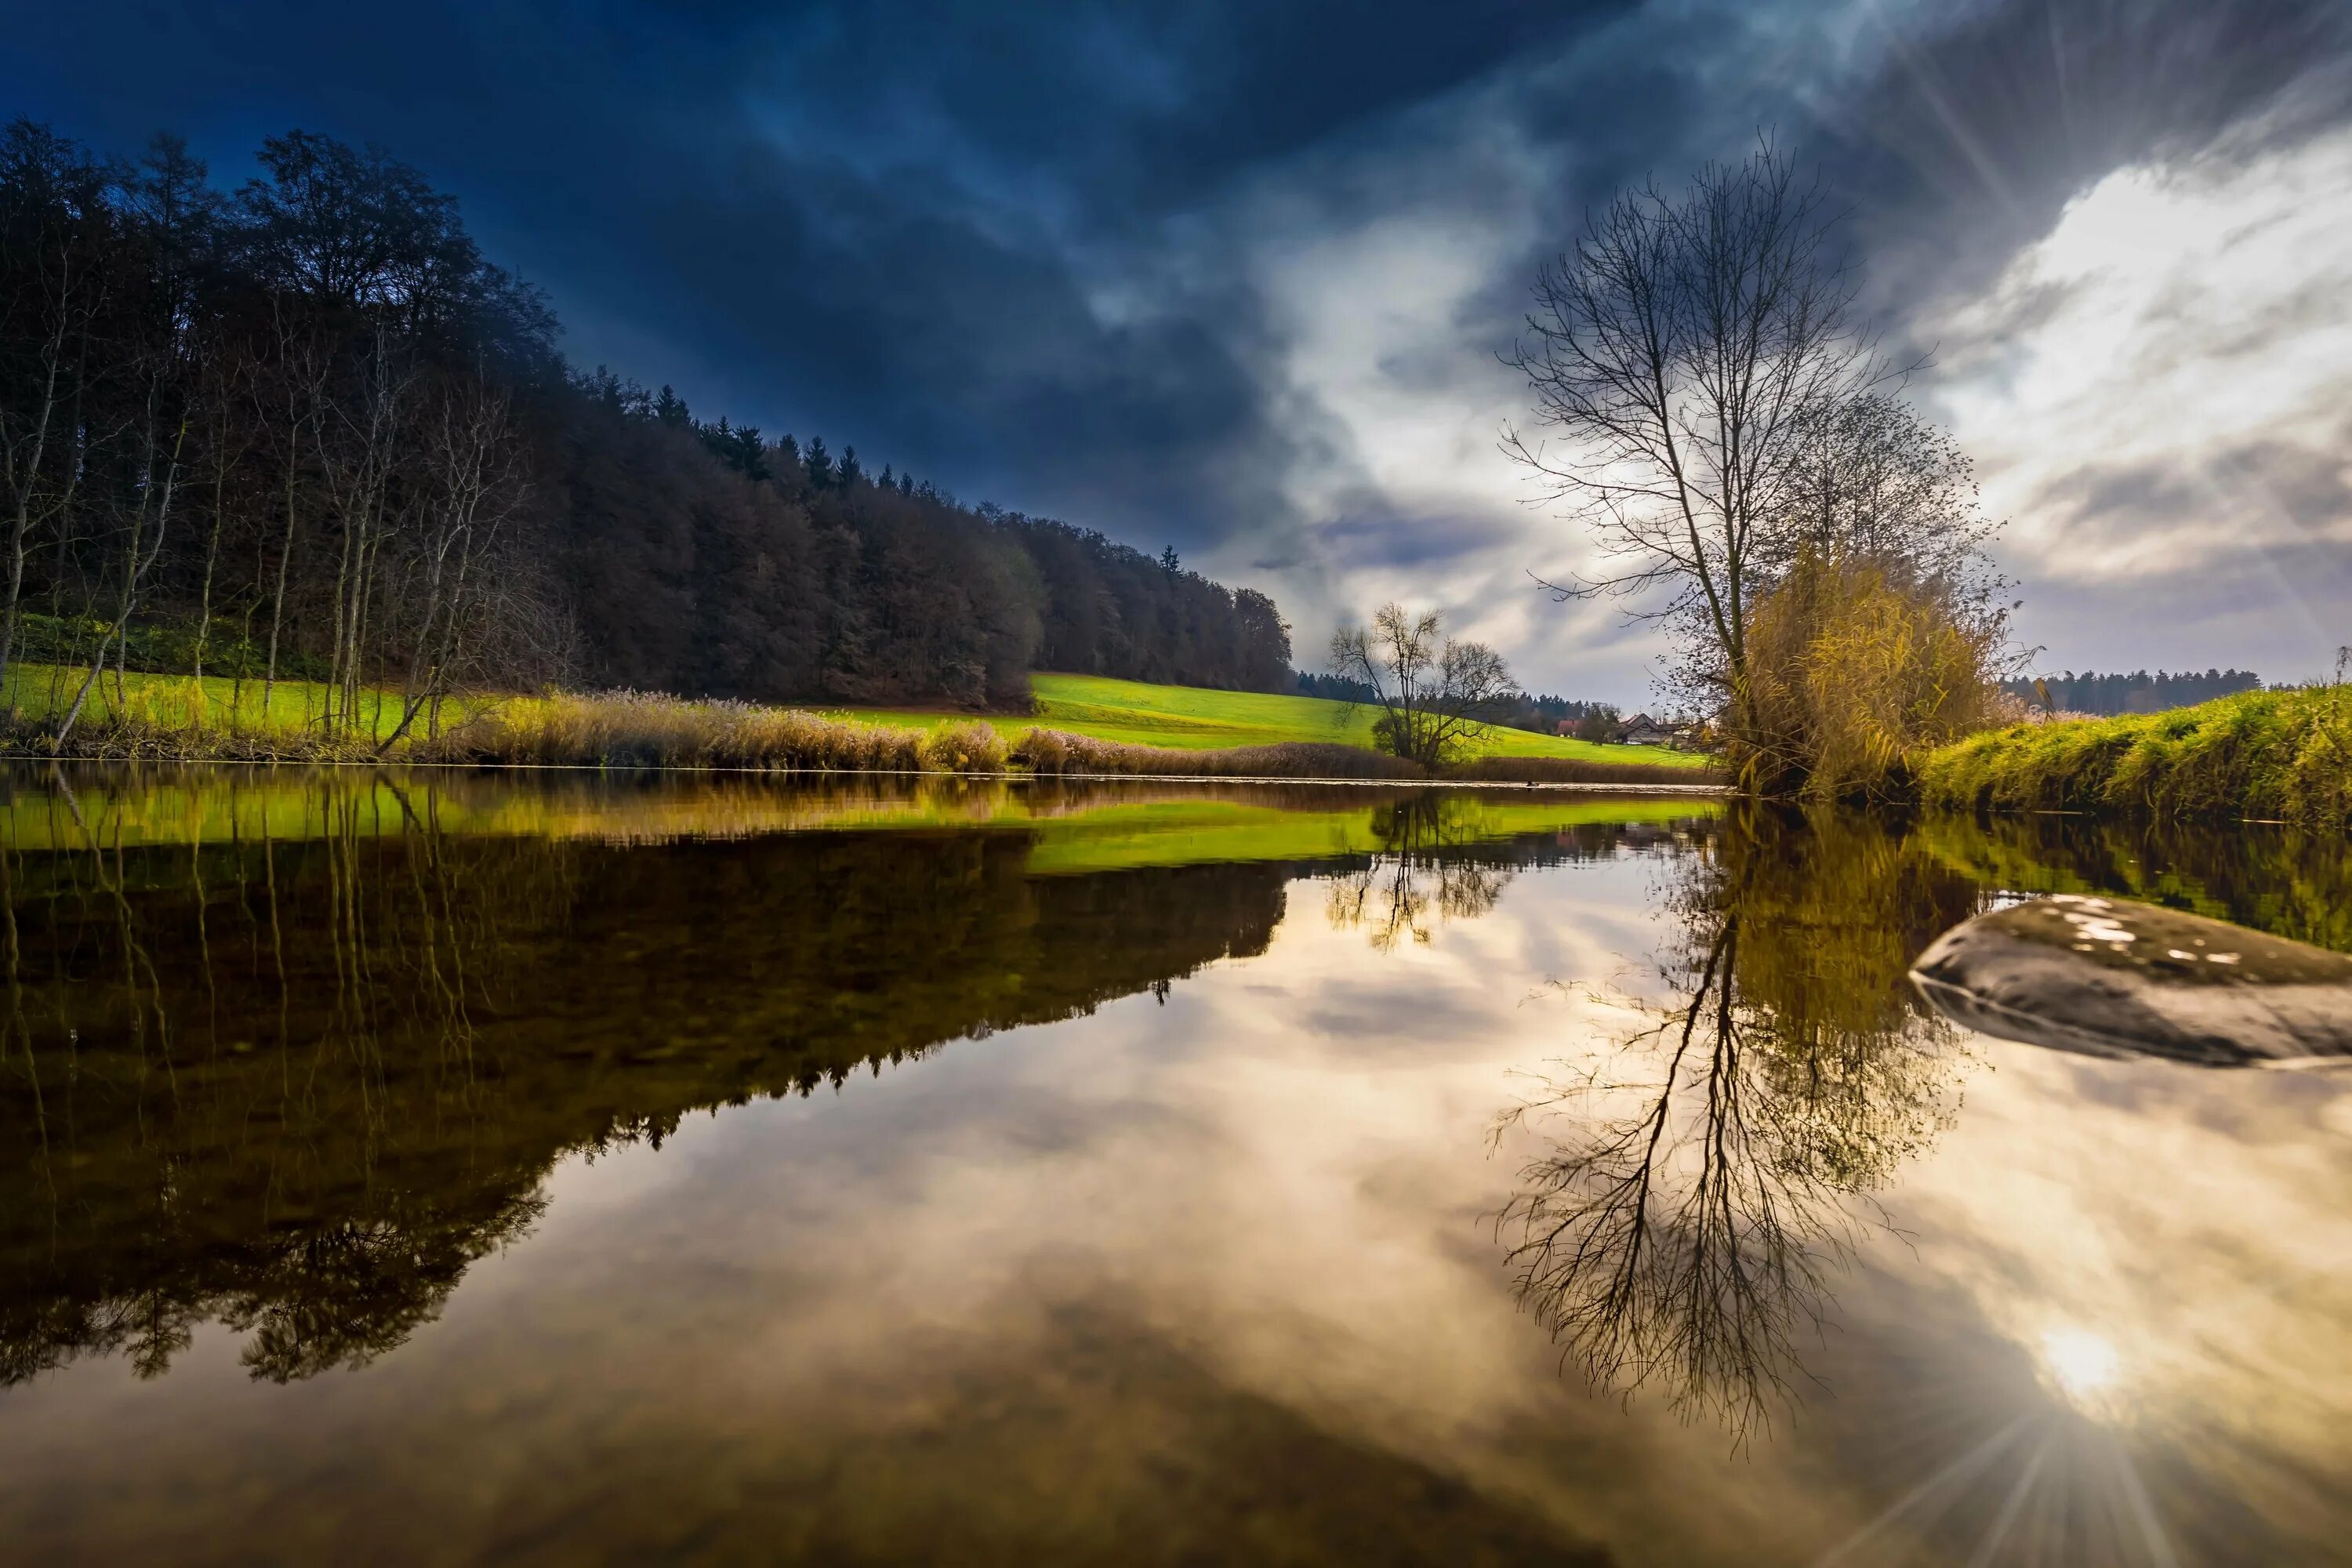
(2138, 692)
(306, 428)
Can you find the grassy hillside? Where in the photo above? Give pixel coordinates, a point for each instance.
(1193, 719)
(2268, 755)
(165, 707)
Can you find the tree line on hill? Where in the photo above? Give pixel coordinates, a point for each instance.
(306, 425)
(2138, 692)
(1516, 710)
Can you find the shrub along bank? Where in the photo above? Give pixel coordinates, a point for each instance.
(2263, 755)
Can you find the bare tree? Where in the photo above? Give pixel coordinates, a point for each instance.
(1682, 354)
(474, 488)
(1871, 481)
(359, 450)
(148, 513)
(56, 198)
(292, 404)
(1435, 692)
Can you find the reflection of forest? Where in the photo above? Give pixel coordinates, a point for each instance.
(1430, 865)
(302, 1085)
(287, 1055)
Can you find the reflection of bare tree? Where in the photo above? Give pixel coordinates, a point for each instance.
(1709, 1174)
(1419, 869)
(1677, 1243)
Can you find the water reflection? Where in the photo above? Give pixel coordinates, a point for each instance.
(293, 1055)
(1699, 1188)
(300, 1086)
(1418, 871)
(289, 1060)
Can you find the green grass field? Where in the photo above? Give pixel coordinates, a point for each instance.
(40, 692)
(1181, 717)
(1190, 717)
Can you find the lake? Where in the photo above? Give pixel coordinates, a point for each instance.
(436, 1167)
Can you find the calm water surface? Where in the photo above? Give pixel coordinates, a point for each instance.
(419, 1168)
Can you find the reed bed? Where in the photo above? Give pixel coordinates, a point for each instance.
(1577, 770)
(642, 729)
(131, 738)
(634, 730)
(1052, 752)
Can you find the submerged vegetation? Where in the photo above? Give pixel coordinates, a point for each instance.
(2281, 756)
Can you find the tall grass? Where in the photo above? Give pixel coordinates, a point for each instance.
(1577, 770)
(634, 729)
(2282, 756)
(1058, 752)
(136, 734)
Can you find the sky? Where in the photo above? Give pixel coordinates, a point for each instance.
(1236, 277)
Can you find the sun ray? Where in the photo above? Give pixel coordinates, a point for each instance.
(1950, 1477)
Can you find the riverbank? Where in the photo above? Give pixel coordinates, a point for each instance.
(2275, 756)
(166, 718)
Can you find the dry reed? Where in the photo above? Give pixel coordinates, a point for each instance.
(1058, 752)
(1580, 769)
(647, 729)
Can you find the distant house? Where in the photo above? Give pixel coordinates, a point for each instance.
(1565, 728)
(1642, 730)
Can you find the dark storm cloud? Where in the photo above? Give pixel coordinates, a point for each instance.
(851, 220)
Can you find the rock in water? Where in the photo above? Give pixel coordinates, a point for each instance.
(2119, 979)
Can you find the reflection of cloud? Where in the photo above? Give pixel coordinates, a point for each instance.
(1061, 1252)
(2160, 1254)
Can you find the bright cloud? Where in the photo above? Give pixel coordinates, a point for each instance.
(2161, 385)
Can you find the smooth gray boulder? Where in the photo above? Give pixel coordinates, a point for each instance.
(2114, 978)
